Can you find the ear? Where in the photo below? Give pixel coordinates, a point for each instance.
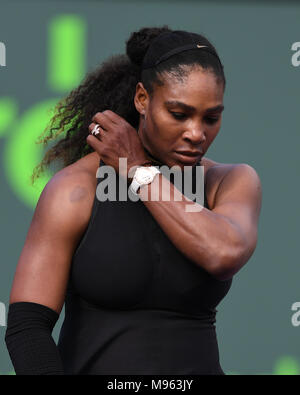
(141, 98)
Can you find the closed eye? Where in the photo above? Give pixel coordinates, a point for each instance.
(180, 116)
(212, 120)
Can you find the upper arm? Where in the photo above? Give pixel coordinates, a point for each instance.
(60, 218)
(238, 199)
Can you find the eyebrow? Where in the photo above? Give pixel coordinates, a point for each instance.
(191, 108)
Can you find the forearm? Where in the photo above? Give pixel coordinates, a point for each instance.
(206, 238)
(29, 341)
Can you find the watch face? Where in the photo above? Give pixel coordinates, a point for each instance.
(143, 176)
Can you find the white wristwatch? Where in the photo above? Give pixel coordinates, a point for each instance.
(142, 176)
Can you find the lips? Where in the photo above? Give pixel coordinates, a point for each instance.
(188, 157)
(190, 153)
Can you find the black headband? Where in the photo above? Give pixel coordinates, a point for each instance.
(169, 39)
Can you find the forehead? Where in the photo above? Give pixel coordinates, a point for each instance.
(198, 87)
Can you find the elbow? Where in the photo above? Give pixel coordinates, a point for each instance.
(232, 258)
(228, 265)
(223, 272)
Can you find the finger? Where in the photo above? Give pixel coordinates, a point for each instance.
(103, 121)
(115, 118)
(94, 143)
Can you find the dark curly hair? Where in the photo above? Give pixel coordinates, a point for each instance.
(109, 87)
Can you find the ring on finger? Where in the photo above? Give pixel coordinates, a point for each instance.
(96, 130)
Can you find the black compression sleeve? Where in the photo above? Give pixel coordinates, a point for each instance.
(29, 339)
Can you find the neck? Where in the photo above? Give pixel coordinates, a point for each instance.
(152, 158)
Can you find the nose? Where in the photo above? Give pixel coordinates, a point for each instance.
(196, 136)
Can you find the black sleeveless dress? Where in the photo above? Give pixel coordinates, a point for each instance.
(134, 303)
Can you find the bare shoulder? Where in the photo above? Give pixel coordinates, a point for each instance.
(216, 172)
(71, 191)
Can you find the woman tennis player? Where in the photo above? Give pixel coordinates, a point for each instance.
(140, 278)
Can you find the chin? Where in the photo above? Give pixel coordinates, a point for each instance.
(188, 164)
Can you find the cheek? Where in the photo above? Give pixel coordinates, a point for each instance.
(164, 132)
(158, 129)
(211, 135)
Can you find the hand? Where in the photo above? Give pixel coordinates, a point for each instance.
(117, 139)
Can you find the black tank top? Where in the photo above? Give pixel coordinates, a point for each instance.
(134, 303)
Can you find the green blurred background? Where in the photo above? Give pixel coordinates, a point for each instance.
(51, 45)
